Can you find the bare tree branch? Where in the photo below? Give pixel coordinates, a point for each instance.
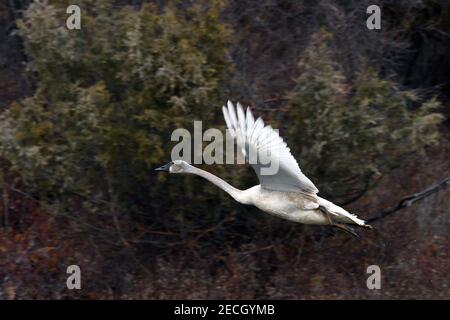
(409, 200)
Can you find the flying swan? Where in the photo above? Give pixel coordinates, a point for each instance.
(288, 193)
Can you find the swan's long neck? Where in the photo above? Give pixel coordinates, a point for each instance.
(237, 194)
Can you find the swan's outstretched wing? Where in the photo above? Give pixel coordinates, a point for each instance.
(258, 143)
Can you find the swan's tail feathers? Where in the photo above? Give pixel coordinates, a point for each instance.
(359, 221)
(356, 221)
(368, 226)
(340, 214)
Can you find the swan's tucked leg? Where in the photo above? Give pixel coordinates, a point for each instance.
(340, 226)
(346, 228)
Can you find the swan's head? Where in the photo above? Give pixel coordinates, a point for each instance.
(176, 166)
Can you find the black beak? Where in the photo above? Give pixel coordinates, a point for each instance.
(165, 167)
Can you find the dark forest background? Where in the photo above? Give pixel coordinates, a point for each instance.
(85, 115)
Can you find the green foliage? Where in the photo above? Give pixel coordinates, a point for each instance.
(349, 131)
(107, 95)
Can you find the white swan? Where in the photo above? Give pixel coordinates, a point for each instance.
(288, 194)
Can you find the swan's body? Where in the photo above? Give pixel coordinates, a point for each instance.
(296, 207)
(288, 193)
